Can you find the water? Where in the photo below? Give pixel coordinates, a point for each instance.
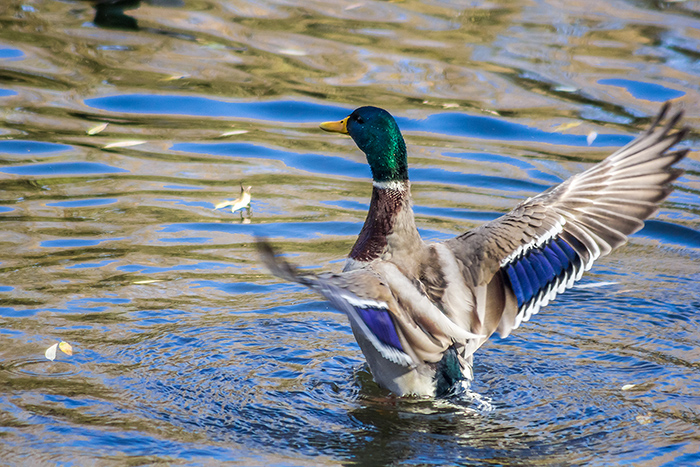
(188, 352)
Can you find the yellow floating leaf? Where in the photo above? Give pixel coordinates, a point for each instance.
(66, 348)
(148, 281)
(240, 203)
(51, 352)
(174, 77)
(224, 203)
(212, 45)
(97, 129)
(644, 419)
(237, 203)
(124, 144)
(567, 126)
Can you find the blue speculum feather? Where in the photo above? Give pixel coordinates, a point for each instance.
(538, 266)
(379, 321)
(547, 271)
(566, 248)
(523, 280)
(535, 271)
(515, 284)
(557, 259)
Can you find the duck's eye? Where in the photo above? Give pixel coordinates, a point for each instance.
(359, 120)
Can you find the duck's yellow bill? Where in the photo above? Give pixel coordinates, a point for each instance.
(336, 127)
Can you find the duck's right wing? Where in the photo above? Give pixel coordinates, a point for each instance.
(519, 262)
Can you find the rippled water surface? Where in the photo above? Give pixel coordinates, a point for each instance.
(187, 351)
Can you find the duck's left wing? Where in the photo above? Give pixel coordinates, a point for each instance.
(519, 262)
(403, 332)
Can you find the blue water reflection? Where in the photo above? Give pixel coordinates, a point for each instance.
(276, 111)
(641, 90)
(84, 203)
(458, 124)
(74, 242)
(452, 123)
(325, 164)
(203, 266)
(286, 230)
(62, 168)
(31, 147)
(10, 54)
(316, 163)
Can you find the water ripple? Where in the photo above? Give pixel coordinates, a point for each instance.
(187, 352)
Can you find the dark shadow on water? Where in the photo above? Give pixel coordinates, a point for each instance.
(110, 14)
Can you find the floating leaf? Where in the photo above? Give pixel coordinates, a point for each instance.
(644, 419)
(174, 77)
(567, 126)
(234, 133)
(66, 348)
(51, 352)
(148, 281)
(124, 144)
(292, 52)
(591, 137)
(211, 44)
(223, 204)
(564, 88)
(492, 112)
(238, 203)
(235, 204)
(97, 129)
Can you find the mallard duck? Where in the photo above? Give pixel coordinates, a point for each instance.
(420, 310)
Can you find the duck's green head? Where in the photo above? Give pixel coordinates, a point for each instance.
(376, 133)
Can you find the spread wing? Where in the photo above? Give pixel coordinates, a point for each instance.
(517, 263)
(387, 314)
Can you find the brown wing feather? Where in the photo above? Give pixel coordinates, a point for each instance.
(593, 212)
